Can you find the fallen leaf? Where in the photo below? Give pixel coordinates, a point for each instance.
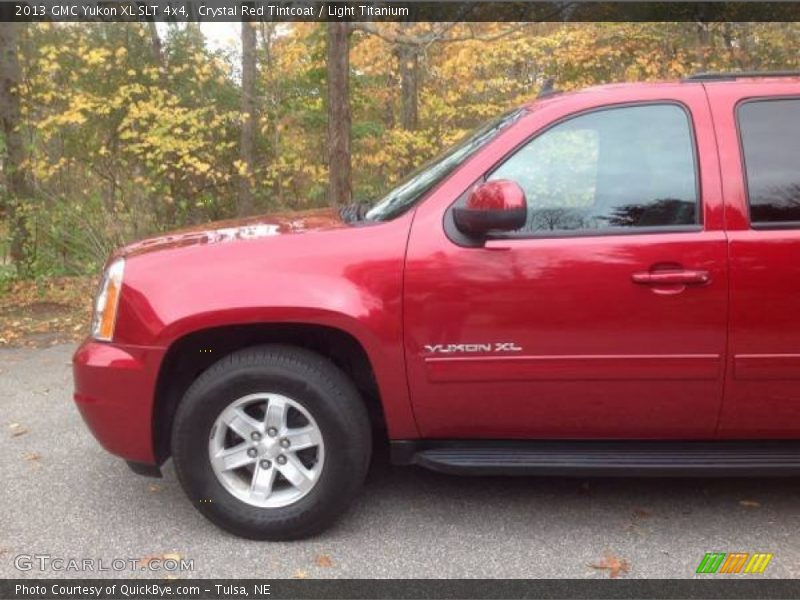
(641, 513)
(146, 560)
(323, 560)
(160, 558)
(750, 503)
(34, 458)
(613, 565)
(154, 488)
(300, 574)
(17, 429)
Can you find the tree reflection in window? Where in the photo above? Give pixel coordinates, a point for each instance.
(770, 131)
(613, 168)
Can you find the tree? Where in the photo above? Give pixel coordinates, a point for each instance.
(18, 181)
(408, 59)
(155, 42)
(340, 189)
(247, 144)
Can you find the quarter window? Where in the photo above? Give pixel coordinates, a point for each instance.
(618, 168)
(770, 132)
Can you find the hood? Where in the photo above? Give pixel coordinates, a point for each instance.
(239, 229)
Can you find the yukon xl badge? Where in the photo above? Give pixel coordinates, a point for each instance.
(457, 348)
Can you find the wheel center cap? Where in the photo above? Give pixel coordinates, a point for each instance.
(269, 448)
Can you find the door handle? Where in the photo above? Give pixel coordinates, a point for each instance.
(672, 277)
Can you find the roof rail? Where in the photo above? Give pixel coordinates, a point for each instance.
(733, 75)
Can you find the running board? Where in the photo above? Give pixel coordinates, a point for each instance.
(603, 458)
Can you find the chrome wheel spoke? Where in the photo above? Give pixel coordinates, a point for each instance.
(297, 474)
(242, 424)
(277, 408)
(262, 468)
(261, 484)
(233, 458)
(305, 437)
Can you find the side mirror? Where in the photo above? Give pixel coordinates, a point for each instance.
(497, 205)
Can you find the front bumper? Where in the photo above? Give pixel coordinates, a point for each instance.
(115, 391)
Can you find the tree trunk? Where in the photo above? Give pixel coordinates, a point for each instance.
(339, 115)
(272, 101)
(247, 142)
(702, 46)
(408, 59)
(18, 181)
(156, 46)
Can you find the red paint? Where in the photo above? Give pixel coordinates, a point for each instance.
(574, 368)
(763, 381)
(689, 334)
(497, 195)
(114, 387)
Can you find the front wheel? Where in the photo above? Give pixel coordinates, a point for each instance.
(272, 443)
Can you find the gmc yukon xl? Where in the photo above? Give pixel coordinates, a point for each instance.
(599, 282)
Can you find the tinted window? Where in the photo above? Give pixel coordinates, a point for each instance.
(614, 168)
(770, 133)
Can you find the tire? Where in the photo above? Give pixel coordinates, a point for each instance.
(314, 390)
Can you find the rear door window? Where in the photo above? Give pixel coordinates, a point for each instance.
(770, 137)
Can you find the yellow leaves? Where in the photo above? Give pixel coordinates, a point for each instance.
(96, 56)
(240, 167)
(199, 166)
(73, 117)
(45, 169)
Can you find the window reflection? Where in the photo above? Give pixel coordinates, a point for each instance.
(614, 168)
(770, 131)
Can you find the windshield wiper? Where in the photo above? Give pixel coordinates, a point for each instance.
(354, 212)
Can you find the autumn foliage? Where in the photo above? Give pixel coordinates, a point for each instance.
(131, 130)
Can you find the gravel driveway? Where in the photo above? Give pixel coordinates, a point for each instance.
(63, 496)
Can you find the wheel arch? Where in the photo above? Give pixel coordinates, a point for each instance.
(190, 355)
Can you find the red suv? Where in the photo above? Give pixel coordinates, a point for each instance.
(601, 282)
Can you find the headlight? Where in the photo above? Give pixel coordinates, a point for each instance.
(105, 305)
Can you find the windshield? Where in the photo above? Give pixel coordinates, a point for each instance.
(425, 178)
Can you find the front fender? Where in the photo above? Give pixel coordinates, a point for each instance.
(347, 279)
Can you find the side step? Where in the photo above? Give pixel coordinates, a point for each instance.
(603, 458)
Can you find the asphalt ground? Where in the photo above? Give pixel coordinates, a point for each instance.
(62, 496)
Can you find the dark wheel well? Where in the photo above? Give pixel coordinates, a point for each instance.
(192, 354)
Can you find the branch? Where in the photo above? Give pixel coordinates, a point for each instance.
(487, 38)
(439, 36)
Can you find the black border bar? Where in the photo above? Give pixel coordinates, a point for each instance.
(344, 589)
(395, 10)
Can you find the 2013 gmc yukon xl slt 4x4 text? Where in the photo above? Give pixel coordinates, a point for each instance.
(601, 282)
